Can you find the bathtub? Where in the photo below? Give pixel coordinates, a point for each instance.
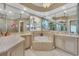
(42, 43)
(41, 39)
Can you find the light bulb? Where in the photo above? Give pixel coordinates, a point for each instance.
(22, 12)
(10, 12)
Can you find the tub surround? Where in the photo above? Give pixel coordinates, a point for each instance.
(42, 41)
(11, 42)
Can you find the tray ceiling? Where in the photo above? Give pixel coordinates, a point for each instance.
(39, 7)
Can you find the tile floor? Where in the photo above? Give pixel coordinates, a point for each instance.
(55, 52)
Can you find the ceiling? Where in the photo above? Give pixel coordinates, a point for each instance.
(39, 6)
(17, 8)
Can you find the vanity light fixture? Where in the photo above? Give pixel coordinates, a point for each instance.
(46, 5)
(25, 9)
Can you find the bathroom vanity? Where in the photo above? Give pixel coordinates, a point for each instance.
(11, 45)
(28, 40)
(68, 43)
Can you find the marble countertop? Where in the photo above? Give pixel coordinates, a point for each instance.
(22, 34)
(8, 42)
(65, 34)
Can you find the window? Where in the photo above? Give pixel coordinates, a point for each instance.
(35, 24)
(45, 24)
(52, 25)
(12, 25)
(2, 25)
(73, 27)
(61, 26)
(27, 25)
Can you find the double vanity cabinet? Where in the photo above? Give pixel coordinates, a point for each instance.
(11, 45)
(68, 43)
(15, 44)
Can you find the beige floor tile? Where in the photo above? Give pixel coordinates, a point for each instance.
(55, 52)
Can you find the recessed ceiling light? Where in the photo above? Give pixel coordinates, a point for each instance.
(0, 9)
(7, 14)
(21, 21)
(22, 12)
(24, 8)
(63, 7)
(65, 11)
(10, 11)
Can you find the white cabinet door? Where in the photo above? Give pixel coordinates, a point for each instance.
(71, 45)
(59, 42)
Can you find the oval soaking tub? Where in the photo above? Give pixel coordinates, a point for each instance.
(42, 43)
